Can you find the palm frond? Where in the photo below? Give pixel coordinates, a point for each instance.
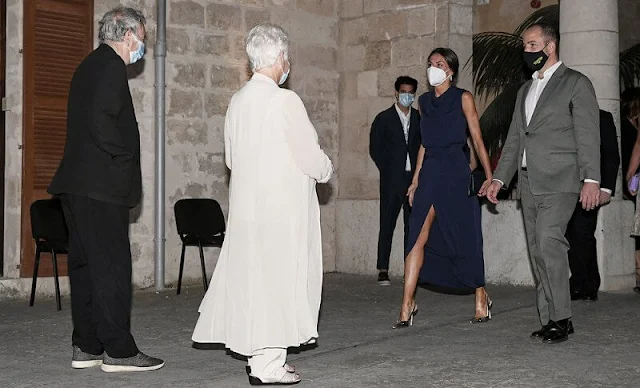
(511, 76)
(497, 62)
(496, 118)
(548, 15)
(497, 56)
(630, 66)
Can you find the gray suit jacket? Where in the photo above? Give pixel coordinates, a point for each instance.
(562, 139)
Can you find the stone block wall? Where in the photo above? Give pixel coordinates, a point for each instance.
(379, 41)
(205, 65)
(345, 56)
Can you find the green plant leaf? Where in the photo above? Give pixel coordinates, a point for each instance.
(496, 118)
(497, 56)
(497, 62)
(498, 70)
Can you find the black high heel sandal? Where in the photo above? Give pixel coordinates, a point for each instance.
(487, 317)
(409, 322)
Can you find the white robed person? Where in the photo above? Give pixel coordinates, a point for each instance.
(265, 291)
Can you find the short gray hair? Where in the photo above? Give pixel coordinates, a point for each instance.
(264, 43)
(115, 24)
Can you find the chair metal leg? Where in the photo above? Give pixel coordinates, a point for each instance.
(181, 267)
(204, 271)
(36, 264)
(55, 278)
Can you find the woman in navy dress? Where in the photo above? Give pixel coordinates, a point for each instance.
(445, 236)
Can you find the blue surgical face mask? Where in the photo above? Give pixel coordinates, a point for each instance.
(135, 56)
(284, 76)
(406, 99)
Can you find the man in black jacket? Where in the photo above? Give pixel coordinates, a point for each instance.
(583, 259)
(394, 144)
(99, 180)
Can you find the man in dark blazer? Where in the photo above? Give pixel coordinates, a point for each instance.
(99, 180)
(554, 146)
(394, 144)
(583, 258)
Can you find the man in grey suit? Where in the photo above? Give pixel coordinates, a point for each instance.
(554, 146)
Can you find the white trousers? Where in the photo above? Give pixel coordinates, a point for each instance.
(268, 363)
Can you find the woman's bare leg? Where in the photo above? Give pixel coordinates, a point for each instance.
(482, 300)
(412, 265)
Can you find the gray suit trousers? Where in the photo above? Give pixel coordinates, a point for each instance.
(545, 218)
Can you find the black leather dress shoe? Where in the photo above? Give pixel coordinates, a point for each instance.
(539, 334)
(544, 331)
(590, 296)
(558, 332)
(577, 295)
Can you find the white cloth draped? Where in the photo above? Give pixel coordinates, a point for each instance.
(266, 287)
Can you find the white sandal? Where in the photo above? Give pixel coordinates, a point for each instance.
(287, 379)
(287, 368)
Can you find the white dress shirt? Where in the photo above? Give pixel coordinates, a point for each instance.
(406, 123)
(536, 89)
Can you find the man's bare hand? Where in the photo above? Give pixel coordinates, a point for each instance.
(492, 192)
(484, 187)
(605, 198)
(590, 195)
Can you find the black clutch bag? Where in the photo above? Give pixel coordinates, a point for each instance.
(476, 179)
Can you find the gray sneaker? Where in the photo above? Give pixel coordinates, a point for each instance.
(82, 360)
(138, 363)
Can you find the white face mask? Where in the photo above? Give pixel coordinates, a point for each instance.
(285, 75)
(406, 99)
(436, 76)
(135, 56)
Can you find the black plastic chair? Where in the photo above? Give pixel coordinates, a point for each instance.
(50, 233)
(200, 223)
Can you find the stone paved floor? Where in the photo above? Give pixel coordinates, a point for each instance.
(356, 346)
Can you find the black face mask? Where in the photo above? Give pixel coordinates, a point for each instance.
(535, 61)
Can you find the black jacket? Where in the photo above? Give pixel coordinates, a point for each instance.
(609, 155)
(102, 152)
(388, 148)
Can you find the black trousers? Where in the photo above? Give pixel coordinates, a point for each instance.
(392, 199)
(100, 276)
(583, 257)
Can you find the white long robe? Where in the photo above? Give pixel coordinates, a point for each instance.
(266, 287)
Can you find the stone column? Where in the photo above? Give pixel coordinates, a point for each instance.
(589, 43)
